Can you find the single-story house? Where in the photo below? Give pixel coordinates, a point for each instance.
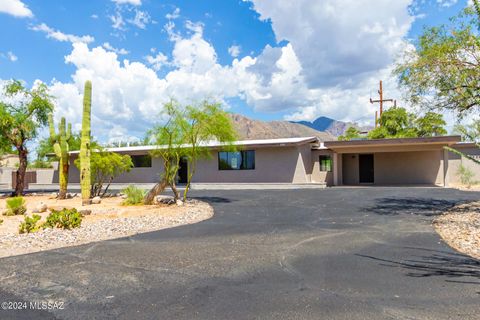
(306, 160)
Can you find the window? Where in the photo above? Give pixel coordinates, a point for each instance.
(142, 161)
(242, 160)
(325, 163)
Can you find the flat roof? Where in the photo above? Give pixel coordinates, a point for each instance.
(218, 144)
(448, 140)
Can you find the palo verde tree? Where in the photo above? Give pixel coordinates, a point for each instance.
(184, 135)
(443, 72)
(60, 142)
(22, 113)
(170, 139)
(201, 123)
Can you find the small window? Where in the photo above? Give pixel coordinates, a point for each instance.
(326, 163)
(242, 160)
(142, 161)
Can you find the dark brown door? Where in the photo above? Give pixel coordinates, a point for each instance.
(365, 164)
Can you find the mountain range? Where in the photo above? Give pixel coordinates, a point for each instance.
(323, 127)
(332, 126)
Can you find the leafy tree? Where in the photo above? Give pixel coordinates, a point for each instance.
(470, 133)
(183, 135)
(170, 139)
(350, 133)
(204, 122)
(397, 122)
(104, 167)
(431, 124)
(444, 70)
(22, 112)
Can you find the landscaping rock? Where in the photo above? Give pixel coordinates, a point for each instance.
(69, 196)
(96, 200)
(42, 207)
(85, 212)
(53, 195)
(162, 199)
(124, 196)
(179, 202)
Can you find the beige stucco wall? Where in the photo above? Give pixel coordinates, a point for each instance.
(412, 167)
(455, 161)
(318, 176)
(140, 175)
(281, 165)
(274, 164)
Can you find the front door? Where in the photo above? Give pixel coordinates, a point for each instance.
(183, 171)
(365, 164)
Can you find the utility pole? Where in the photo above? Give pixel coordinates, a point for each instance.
(381, 101)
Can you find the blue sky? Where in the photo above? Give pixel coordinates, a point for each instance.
(264, 59)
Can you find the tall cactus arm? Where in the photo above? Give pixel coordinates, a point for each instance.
(51, 127)
(69, 133)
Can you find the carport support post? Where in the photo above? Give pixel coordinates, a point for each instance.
(337, 169)
(445, 168)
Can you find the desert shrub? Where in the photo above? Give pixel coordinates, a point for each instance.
(30, 224)
(15, 206)
(63, 219)
(466, 176)
(134, 195)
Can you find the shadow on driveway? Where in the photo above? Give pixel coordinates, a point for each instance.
(433, 263)
(426, 207)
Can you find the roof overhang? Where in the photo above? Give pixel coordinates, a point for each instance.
(392, 145)
(241, 144)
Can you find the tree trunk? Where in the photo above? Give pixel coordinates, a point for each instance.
(173, 186)
(22, 168)
(156, 190)
(63, 177)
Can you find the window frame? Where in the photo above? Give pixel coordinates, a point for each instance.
(147, 156)
(325, 167)
(244, 160)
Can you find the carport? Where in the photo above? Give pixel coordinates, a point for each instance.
(405, 161)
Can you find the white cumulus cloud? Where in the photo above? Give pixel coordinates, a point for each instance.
(132, 2)
(15, 8)
(60, 36)
(234, 50)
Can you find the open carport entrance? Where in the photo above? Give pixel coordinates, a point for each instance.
(406, 161)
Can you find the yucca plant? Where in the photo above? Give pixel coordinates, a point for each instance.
(15, 206)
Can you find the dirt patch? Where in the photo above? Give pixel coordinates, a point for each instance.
(108, 220)
(460, 228)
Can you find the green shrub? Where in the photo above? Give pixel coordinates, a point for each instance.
(64, 219)
(134, 195)
(15, 206)
(466, 176)
(30, 224)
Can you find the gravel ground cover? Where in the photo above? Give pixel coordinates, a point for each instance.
(460, 228)
(108, 220)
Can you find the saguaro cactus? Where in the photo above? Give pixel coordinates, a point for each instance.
(61, 147)
(85, 144)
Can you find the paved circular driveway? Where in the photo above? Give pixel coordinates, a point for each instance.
(346, 253)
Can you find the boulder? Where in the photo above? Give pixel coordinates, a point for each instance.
(42, 207)
(162, 199)
(85, 212)
(53, 195)
(68, 196)
(96, 200)
(179, 202)
(124, 196)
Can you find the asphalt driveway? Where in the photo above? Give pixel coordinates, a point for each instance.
(359, 253)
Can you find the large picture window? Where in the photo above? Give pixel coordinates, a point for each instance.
(142, 161)
(325, 163)
(241, 160)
